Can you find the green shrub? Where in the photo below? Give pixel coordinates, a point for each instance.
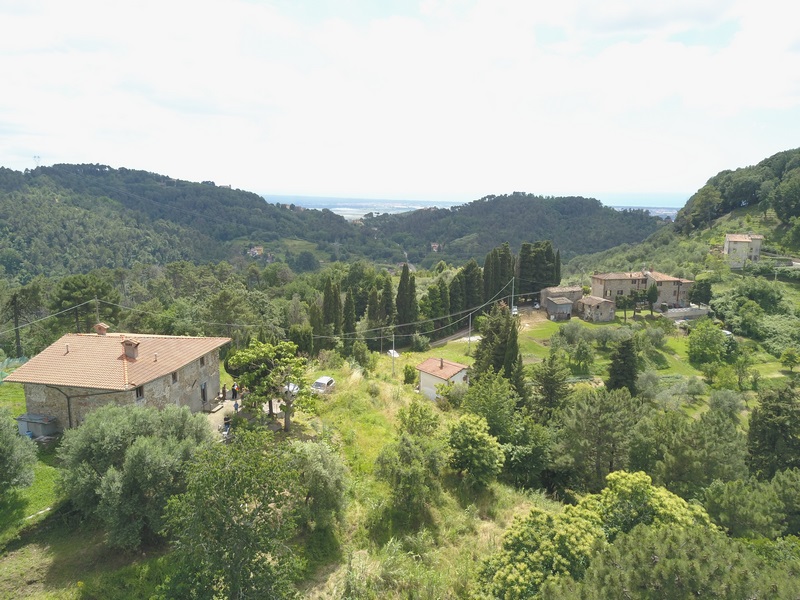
(409, 375)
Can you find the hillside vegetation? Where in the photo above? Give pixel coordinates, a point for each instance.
(69, 219)
(635, 458)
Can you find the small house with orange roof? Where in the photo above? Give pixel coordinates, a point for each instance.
(82, 371)
(436, 371)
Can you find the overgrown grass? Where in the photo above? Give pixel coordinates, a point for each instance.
(12, 397)
(23, 507)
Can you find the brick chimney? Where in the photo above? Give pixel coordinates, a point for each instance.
(101, 328)
(131, 348)
(441, 363)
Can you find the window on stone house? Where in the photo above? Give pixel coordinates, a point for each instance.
(619, 292)
(140, 392)
(175, 377)
(202, 361)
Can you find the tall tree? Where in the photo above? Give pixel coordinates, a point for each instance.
(233, 525)
(473, 285)
(498, 349)
(773, 438)
(349, 323)
(22, 305)
(267, 370)
(407, 307)
(332, 307)
(74, 298)
(624, 367)
(444, 300)
(596, 435)
(551, 385)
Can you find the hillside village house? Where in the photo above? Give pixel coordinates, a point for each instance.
(436, 371)
(573, 292)
(81, 372)
(596, 309)
(740, 247)
(672, 291)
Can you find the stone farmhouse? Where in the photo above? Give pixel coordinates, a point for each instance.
(672, 291)
(740, 247)
(81, 372)
(596, 309)
(436, 371)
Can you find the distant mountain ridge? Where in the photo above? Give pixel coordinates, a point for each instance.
(67, 219)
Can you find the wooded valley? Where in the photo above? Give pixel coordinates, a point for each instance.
(581, 460)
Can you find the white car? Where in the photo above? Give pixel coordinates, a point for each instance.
(323, 385)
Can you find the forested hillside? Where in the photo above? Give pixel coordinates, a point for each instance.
(633, 458)
(69, 219)
(73, 218)
(575, 226)
(772, 183)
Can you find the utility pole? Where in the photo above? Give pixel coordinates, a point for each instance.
(393, 355)
(512, 295)
(96, 310)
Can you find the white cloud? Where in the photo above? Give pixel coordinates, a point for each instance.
(453, 100)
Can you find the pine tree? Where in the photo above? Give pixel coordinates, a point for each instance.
(623, 370)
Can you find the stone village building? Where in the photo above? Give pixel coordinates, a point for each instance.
(742, 247)
(672, 291)
(81, 372)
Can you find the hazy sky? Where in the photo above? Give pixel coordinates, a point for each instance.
(431, 100)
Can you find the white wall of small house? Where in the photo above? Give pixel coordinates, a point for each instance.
(428, 382)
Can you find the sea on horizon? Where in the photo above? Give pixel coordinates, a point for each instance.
(355, 208)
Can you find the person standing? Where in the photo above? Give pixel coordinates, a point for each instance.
(235, 390)
(224, 392)
(235, 406)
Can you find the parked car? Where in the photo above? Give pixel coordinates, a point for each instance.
(323, 385)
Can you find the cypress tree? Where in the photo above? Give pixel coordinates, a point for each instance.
(406, 304)
(457, 293)
(387, 310)
(473, 285)
(444, 301)
(557, 275)
(525, 269)
(349, 323)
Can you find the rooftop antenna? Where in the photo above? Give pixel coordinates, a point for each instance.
(37, 159)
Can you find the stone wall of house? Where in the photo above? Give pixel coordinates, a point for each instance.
(70, 405)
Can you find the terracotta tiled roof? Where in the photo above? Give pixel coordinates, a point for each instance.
(96, 361)
(612, 276)
(443, 369)
(743, 237)
(559, 300)
(563, 290)
(656, 276)
(594, 300)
